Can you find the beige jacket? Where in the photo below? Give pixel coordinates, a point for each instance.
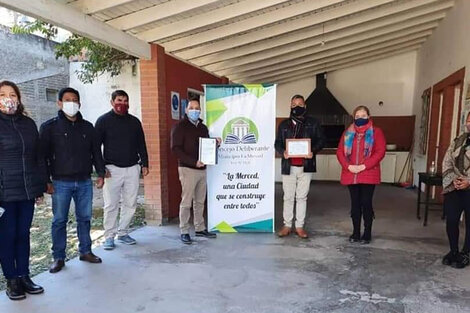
(451, 169)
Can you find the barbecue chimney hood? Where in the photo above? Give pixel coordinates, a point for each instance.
(322, 105)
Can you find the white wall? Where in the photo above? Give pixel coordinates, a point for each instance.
(285, 92)
(389, 80)
(446, 51)
(95, 97)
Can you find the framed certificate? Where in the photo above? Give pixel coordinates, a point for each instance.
(298, 148)
(208, 151)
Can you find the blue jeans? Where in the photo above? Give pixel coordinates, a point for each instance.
(15, 224)
(82, 194)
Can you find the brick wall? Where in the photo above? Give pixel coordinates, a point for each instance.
(154, 111)
(159, 76)
(179, 77)
(33, 95)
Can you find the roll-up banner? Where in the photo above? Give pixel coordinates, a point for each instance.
(240, 188)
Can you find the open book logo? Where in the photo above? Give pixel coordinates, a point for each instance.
(240, 130)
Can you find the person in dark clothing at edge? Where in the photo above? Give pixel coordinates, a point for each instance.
(70, 145)
(297, 172)
(22, 181)
(192, 172)
(456, 190)
(123, 139)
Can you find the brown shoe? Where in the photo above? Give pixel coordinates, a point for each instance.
(301, 233)
(56, 266)
(285, 231)
(90, 257)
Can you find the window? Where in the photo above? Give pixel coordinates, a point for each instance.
(51, 95)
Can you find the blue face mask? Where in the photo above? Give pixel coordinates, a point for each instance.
(361, 121)
(194, 115)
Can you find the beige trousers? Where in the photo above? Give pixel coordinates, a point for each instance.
(123, 185)
(296, 187)
(194, 186)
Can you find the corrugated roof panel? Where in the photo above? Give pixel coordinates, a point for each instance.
(131, 7)
(249, 56)
(238, 19)
(185, 15)
(101, 16)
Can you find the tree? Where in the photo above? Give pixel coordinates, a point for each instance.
(98, 58)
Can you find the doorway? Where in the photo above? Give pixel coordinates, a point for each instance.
(444, 121)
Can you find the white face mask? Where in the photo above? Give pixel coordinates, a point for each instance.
(70, 108)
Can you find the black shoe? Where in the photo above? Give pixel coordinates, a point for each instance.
(450, 258)
(354, 238)
(365, 239)
(186, 239)
(465, 252)
(29, 286)
(461, 260)
(206, 234)
(15, 290)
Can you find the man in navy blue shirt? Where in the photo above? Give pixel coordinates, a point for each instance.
(71, 148)
(125, 156)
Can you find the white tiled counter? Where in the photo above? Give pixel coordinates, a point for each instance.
(328, 167)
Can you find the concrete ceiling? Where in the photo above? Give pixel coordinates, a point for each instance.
(251, 41)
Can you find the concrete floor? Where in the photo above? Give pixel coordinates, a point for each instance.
(400, 271)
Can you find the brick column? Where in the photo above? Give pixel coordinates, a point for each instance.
(154, 119)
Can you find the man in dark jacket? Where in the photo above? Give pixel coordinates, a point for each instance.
(297, 172)
(192, 172)
(125, 153)
(71, 148)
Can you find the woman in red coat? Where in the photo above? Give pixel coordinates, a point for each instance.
(360, 151)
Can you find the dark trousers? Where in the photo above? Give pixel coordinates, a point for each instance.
(361, 207)
(455, 203)
(15, 224)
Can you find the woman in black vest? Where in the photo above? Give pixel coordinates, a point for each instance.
(22, 181)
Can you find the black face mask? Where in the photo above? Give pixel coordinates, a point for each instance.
(298, 111)
(361, 121)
